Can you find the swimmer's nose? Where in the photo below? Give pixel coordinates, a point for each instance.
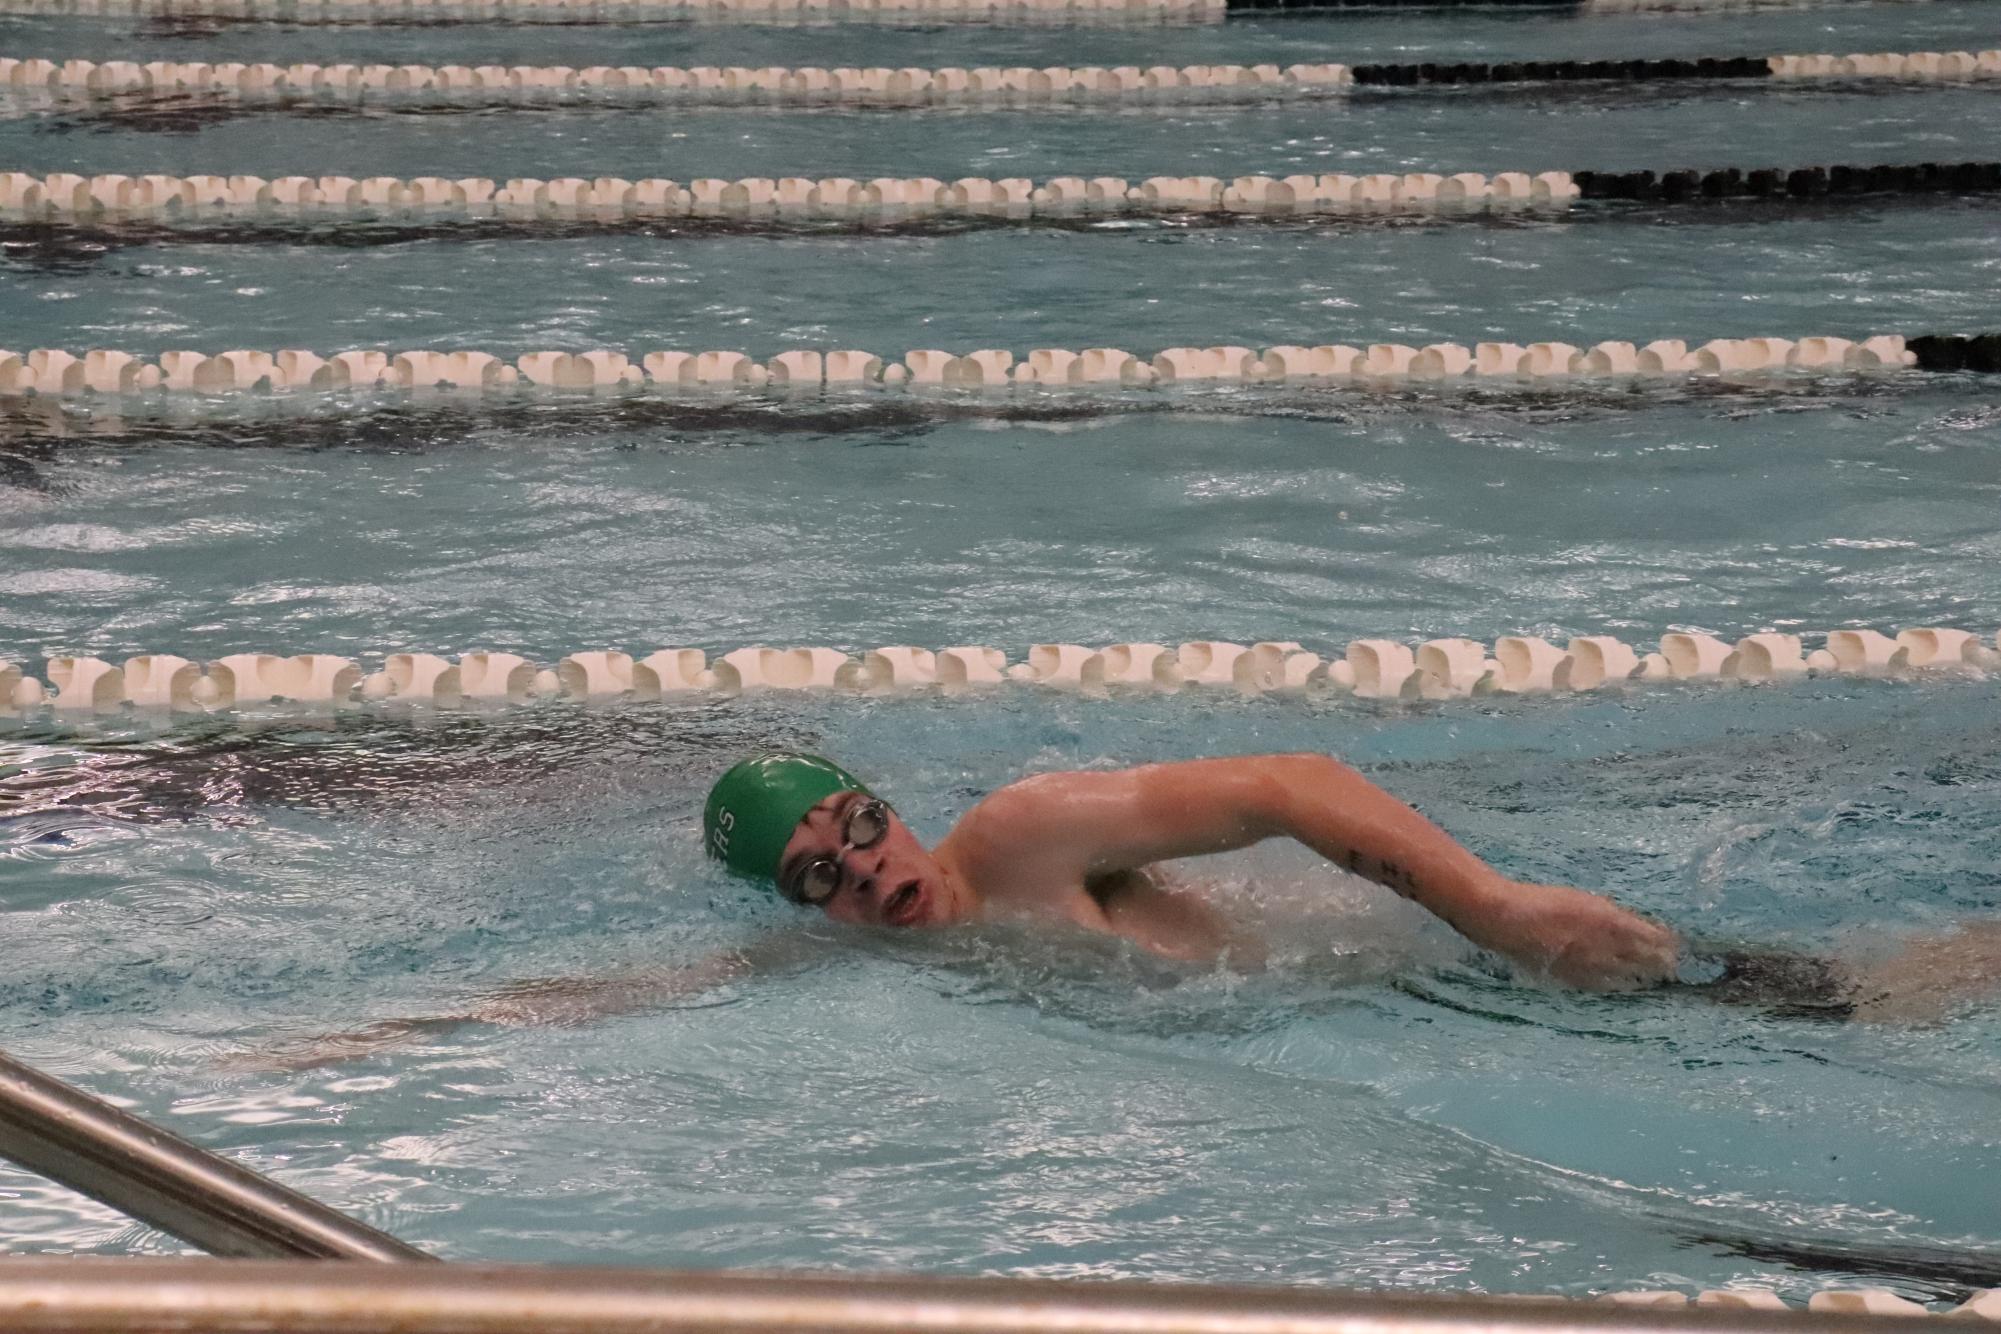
(875, 885)
(869, 883)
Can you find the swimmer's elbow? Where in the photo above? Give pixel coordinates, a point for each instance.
(1278, 795)
(1312, 767)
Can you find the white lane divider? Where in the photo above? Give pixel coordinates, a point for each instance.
(264, 83)
(790, 11)
(530, 85)
(629, 11)
(53, 372)
(1381, 669)
(1931, 66)
(65, 197)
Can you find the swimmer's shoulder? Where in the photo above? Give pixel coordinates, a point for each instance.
(1066, 800)
(1005, 820)
(1020, 843)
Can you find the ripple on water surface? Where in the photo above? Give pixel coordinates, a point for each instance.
(991, 1101)
(551, 530)
(1895, 269)
(1390, 33)
(1377, 1108)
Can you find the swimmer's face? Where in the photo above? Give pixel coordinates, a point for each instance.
(891, 882)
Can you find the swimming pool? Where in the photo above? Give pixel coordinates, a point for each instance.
(1376, 1109)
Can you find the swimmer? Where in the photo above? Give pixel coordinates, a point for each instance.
(1084, 850)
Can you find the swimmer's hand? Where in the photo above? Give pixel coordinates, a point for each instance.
(1580, 939)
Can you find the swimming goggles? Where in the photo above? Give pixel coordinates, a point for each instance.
(815, 881)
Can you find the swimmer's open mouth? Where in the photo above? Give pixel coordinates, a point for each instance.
(904, 905)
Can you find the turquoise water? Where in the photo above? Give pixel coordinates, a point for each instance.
(550, 531)
(1374, 1110)
(1904, 269)
(1379, 1107)
(1608, 128)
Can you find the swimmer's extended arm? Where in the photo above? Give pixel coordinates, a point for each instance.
(546, 1002)
(1098, 823)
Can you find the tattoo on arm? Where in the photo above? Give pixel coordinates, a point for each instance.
(1394, 875)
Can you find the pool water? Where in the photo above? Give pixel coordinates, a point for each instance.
(1378, 1107)
(889, 521)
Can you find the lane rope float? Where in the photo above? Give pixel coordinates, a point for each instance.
(309, 84)
(111, 200)
(57, 373)
(64, 196)
(529, 85)
(1067, 12)
(810, 11)
(1383, 669)
(1912, 66)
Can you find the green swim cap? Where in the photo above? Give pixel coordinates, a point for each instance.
(754, 808)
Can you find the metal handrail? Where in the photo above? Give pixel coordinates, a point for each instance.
(134, 1166)
(126, 1296)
